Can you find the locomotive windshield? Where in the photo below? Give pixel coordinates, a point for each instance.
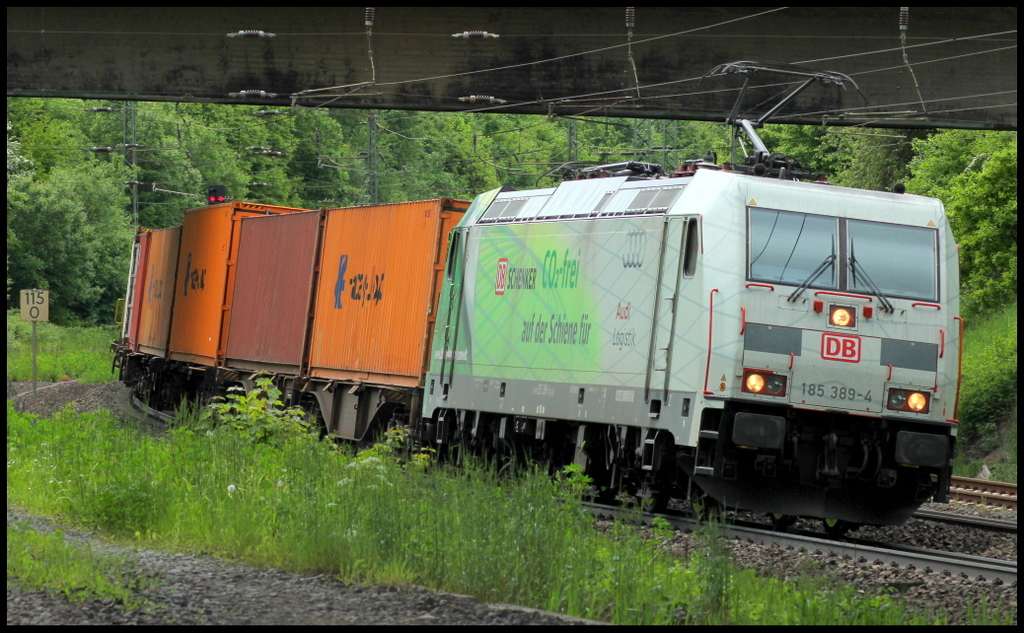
(900, 260)
(786, 247)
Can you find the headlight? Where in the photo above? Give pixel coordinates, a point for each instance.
(842, 316)
(908, 400)
(764, 382)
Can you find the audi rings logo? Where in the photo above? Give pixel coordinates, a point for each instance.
(636, 246)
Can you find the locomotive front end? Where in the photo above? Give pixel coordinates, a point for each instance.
(837, 399)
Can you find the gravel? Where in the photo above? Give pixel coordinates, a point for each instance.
(205, 590)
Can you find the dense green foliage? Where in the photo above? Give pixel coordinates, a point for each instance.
(975, 175)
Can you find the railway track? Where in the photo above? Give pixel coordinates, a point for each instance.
(860, 550)
(984, 492)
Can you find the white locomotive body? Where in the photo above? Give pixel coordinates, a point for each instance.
(781, 346)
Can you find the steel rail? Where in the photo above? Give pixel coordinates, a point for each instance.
(988, 523)
(909, 557)
(145, 409)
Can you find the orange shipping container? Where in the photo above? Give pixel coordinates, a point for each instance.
(154, 298)
(380, 271)
(206, 258)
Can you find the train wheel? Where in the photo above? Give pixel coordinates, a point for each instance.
(837, 527)
(782, 521)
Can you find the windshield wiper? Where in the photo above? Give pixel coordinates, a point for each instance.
(854, 267)
(822, 267)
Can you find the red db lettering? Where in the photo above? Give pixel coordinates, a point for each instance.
(840, 347)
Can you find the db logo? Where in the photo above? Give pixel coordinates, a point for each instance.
(839, 347)
(499, 279)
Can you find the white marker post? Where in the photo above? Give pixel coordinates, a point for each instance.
(35, 307)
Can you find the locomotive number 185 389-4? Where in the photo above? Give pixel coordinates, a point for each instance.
(835, 392)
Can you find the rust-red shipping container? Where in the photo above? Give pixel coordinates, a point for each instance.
(206, 271)
(154, 297)
(380, 275)
(270, 304)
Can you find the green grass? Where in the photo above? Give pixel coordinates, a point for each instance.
(305, 506)
(64, 353)
(49, 561)
(988, 396)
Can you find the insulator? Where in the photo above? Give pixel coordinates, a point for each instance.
(371, 13)
(101, 109)
(268, 112)
(482, 99)
(252, 33)
(475, 35)
(630, 17)
(252, 93)
(100, 150)
(904, 18)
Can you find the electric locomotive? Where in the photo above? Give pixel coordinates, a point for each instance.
(739, 338)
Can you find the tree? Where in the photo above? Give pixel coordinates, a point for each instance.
(67, 233)
(975, 175)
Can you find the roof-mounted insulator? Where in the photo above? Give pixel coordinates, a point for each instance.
(243, 94)
(371, 13)
(475, 35)
(630, 17)
(101, 109)
(252, 33)
(482, 99)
